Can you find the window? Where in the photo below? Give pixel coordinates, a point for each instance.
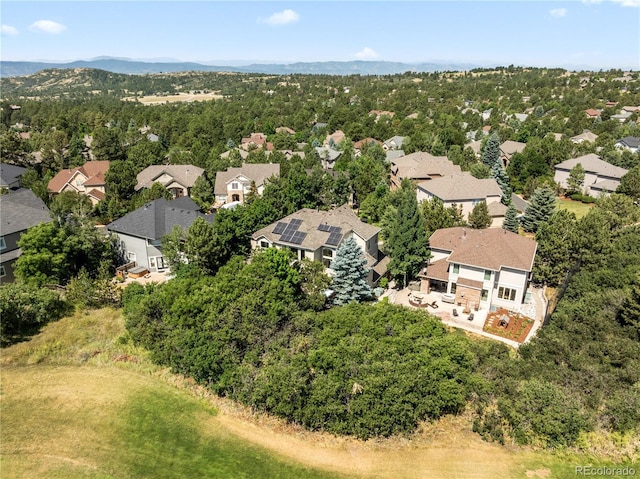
(235, 186)
(152, 262)
(131, 256)
(487, 275)
(508, 294)
(160, 262)
(485, 295)
(456, 268)
(454, 287)
(327, 257)
(3, 273)
(3, 245)
(264, 244)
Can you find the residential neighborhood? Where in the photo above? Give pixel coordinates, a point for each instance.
(381, 261)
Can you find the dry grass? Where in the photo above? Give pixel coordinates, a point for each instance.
(180, 97)
(76, 402)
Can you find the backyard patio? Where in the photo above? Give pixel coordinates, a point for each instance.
(508, 324)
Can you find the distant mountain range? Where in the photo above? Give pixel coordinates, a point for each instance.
(133, 67)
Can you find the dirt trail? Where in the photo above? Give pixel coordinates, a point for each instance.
(459, 455)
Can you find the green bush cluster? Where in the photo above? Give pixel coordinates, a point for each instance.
(361, 370)
(583, 198)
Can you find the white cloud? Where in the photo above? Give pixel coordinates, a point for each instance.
(281, 18)
(47, 26)
(628, 3)
(8, 31)
(558, 12)
(367, 54)
(624, 3)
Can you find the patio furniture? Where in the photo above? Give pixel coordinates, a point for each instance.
(434, 305)
(448, 298)
(470, 318)
(455, 312)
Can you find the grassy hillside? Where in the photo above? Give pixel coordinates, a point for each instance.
(80, 401)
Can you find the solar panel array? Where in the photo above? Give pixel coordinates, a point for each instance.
(335, 235)
(289, 232)
(324, 227)
(279, 228)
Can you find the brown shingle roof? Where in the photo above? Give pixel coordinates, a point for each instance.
(258, 172)
(420, 165)
(491, 248)
(186, 175)
(460, 187)
(438, 270)
(95, 172)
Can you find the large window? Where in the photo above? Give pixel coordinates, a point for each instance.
(327, 257)
(487, 275)
(456, 268)
(485, 295)
(508, 294)
(454, 287)
(235, 186)
(264, 244)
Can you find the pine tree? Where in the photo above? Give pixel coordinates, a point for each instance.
(479, 217)
(491, 152)
(405, 236)
(502, 178)
(542, 206)
(350, 268)
(556, 239)
(510, 222)
(576, 179)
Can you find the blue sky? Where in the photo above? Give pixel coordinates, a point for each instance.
(596, 33)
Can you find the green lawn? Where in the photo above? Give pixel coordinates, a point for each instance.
(578, 208)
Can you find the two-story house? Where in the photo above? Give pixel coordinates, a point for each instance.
(316, 235)
(178, 179)
(600, 177)
(20, 210)
(88, 180)
(234, 184)
(140, 232)
(464, 191)
(484, 269)
(420, 166)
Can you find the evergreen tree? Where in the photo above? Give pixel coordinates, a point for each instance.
(200, 246)
(542, 206)
(491, 152)
(202, 192)
(502, 178)
(556, 239)
(479, 217)
(576, 179)
(510, 222)
(437, 216)
(350, 280)
(406, 237)
(480, 171)
(630, 183)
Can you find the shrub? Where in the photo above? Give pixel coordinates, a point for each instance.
(23, 308)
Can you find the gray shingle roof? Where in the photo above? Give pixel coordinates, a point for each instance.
(21, 210)
(342, 217)
(520, 204)
(186, 175)
(630, 141)
(593, 164)
(9, 174)
(460, 187)
(156, 219)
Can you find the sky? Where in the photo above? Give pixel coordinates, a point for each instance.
(601, 34)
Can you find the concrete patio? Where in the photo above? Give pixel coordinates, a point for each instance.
(444, 311)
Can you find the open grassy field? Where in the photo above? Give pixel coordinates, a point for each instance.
(78, 400)
(180, 97)
(580, 209)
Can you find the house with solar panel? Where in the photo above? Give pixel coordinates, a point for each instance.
(316, 235)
